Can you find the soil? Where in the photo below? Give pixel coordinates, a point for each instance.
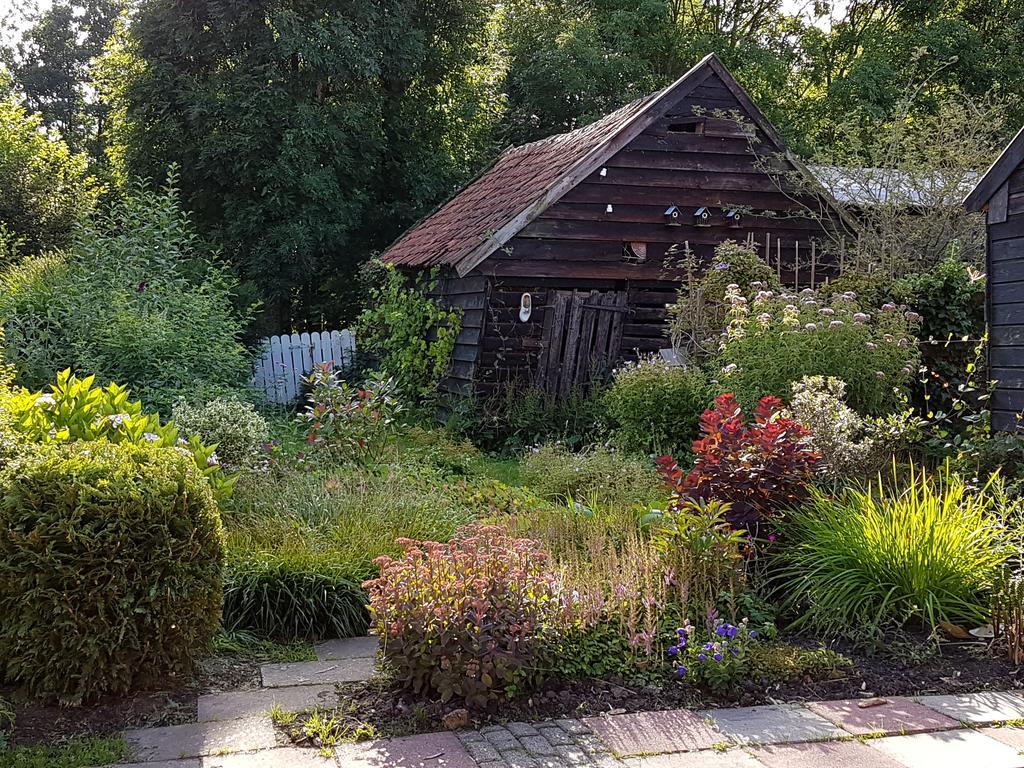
(957, 668)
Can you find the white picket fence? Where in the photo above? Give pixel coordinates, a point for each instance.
(288, 359)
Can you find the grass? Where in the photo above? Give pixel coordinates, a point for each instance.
(607, 477)
(248, 645)
(76, 753)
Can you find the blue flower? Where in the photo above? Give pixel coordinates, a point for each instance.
(673, 650)
(717, 657)
(681, 671)
(753, 635)
(721, 265)
(721, 631)
(702, 657)
(735, 651)
(708, 646)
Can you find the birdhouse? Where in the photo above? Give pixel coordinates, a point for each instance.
(733, 217)
(672, 216)
(702, 217)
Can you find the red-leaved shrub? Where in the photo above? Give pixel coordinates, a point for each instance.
(757, 468)
(468, 619)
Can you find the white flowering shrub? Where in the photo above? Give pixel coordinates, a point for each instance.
(238, 431)
(774, 338)
(844, 439)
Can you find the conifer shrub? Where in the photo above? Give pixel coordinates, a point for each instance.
(110, 568)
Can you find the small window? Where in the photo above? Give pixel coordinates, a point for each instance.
(634, 253)
(693, 125)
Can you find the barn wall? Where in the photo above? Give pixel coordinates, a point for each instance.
(578, 236)
(469, 294)
(1006, 305)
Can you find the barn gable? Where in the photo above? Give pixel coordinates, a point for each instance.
(1000, 194)
(558, 188)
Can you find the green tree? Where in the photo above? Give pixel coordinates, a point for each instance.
(45, 189)
(309, 132)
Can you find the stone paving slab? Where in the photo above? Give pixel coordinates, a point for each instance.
(239, 704)
(709, 758)
(895, 717)
(431, 750)
(348, 648)
(773, 724)
(192, 762)
(1011, 736)
(978, 708)
(647, 733)
(317, 672)
(948, 749)
(201, 739)
(285, 757)
(823, 754)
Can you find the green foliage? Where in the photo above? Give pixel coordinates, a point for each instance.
(594, 475)
(300, 545)
(778, 663)
(774, 339)
(133, 301)
(1008, 611)
(409, 334)
(247, 645)
(515, 417)
(655, 407)
(84, 752)
(349, 422)
(374, 112)
(127, 534)
(74, 410)
(925, 551)
(44, 188)
(233, 426)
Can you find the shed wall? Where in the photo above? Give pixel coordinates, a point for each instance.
(1006, 303)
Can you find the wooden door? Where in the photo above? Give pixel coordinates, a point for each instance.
(581, 340)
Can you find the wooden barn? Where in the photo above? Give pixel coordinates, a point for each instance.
(563, 254)
(1000, 195)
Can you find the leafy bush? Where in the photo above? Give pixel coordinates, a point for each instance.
(1008, 612)
(714, 655)
(74, 410)
(132, 301)
(234, 427)
(299, 546)
(844, 439)
(759, 469)
(697, 318)
(925, 550)
(654, 407)
(599, 475)
(347, 421)
(792, 336)
(133, 596)
(468, 620)
(411, 336)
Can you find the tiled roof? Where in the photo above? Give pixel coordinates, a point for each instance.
(516, 180)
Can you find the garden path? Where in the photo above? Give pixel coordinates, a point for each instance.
(234, 731)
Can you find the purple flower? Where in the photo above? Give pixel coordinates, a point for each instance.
(673, 650)
(753, 634)
(717, 657)
(721, 265)
(702, 657)
(681, 671)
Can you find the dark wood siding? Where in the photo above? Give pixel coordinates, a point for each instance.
(1006, 305)
(469, 294)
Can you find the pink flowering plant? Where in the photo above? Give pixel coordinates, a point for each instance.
(774, 338)
(469, 620)
(715, 655)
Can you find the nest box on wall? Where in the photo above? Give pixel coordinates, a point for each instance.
(673, 216)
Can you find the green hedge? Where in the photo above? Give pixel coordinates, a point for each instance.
(110, 568)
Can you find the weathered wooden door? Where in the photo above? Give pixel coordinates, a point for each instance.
(582, 336)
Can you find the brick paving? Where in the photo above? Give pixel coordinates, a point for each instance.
(898, 732)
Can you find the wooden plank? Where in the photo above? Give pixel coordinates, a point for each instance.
(1008, 400)
(694, 161)
(587, 325)
(603, 328)
(1011, 229)
(572, 345)
(467, 301)
(1006, 356)
(615, 231)
(1007, 421)
(998, 206)
(553, 339)
(1015, 204)
(641, 344)
(1008, 378)
(618, 321)
(1007, 336)
(1006, 271)
(473, 318)
(1001, 250)
(655, 214)
(757, 182)
(659, 141)
(1008, 314)
(465, 353)
(618, 193)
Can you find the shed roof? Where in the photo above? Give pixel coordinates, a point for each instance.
(997, 174)
(526, 180)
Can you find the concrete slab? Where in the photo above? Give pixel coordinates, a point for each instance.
(775, 724)
(190, 763)
(709, 758)
(201, 739)
(948, 749)
(431, 750)
(239, 704)
(822, 754)
(895, 717)
(978, 708)
(1010, 735)
(348, 648)
(316, 672)
(285, 757)
(647, 733)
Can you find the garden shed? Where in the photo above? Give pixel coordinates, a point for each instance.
(564, 253)
(1000, 195)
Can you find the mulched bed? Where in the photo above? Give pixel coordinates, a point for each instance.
(961, 668)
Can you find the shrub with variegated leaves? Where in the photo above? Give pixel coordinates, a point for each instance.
(468, 620)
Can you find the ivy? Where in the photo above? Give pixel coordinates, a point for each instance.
(410, 335)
